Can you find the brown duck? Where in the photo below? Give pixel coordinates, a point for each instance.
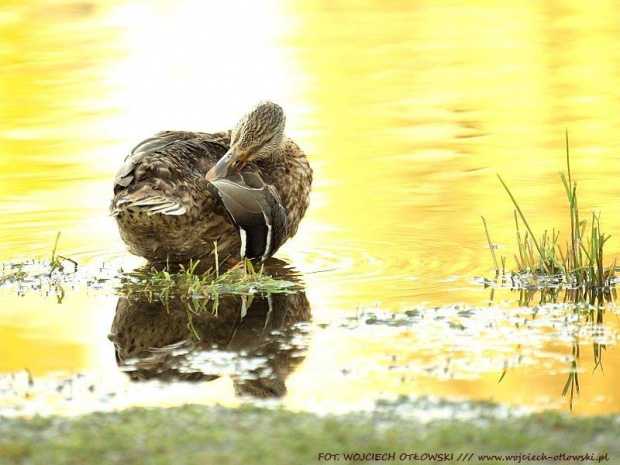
(178, 192)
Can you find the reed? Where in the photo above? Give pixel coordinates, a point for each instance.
(579, 262)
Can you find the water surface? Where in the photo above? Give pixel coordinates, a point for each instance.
(406, 112)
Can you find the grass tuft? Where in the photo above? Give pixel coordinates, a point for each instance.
(242, 279)
(57, 261)
(579, 263)
(39, 274)
(185, 282)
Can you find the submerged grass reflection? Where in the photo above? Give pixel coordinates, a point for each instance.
(585, 309)
(461, 343)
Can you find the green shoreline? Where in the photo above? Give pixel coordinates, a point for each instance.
(252, 435)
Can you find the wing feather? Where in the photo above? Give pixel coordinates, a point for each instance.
(255, 209)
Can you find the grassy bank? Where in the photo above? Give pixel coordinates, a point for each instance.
(205, 435)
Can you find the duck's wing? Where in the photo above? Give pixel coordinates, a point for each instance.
(160, 174)
(218, 143)
(255, 209)
(126, 172)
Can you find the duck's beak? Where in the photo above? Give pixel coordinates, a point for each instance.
(231, 163)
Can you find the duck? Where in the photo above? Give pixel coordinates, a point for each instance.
(184, 196)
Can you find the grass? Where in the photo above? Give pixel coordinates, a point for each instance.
(12, 273)
(15, 272)
(572, 271)
(57, 262)
(242, 279)
(162, 284)
(39, 273)
(576, 263)
(210, 435)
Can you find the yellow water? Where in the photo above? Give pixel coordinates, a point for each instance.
(406, 110)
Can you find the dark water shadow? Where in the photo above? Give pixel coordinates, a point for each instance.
(258, 340)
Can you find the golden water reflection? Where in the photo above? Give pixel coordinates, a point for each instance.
(407, 112)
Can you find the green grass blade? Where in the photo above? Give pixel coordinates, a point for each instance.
(514, 201)
(486, 230)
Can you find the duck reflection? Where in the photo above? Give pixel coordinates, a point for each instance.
(257, 340)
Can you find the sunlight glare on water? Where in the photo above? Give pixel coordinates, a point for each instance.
(406, 112)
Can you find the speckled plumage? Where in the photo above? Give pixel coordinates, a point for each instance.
(162, 204)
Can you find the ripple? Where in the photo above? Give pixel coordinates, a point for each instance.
(369, 268)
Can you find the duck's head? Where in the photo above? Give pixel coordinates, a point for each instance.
(257, 136)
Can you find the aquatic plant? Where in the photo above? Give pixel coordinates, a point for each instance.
(46, 275)
(54, 274)
(577, 263)
(242, 279)
(572, 272)
(56, 261)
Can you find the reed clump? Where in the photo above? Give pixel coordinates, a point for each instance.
(576, 262)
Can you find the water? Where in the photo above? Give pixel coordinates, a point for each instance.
(406, 113)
